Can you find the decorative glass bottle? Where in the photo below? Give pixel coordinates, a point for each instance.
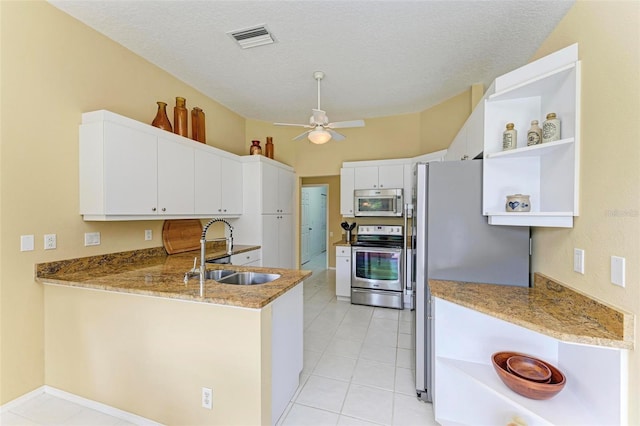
(162, 120)
(551, 128)
(534, 135)
(180, 117)
(269, 147)
(509, 138)
(198, 131)
(255, 148)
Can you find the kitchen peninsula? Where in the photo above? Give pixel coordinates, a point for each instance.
(125, 330)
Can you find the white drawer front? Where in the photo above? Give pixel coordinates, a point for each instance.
(343, 251)
(246, 257)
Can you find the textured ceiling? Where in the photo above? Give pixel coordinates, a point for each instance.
(381, 58)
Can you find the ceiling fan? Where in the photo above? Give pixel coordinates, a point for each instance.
(321, 131)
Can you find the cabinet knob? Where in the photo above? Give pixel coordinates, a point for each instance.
(219, 210)
(164, 209)
(381, 186)
(225, 210)
(153, 209)
(465, 157)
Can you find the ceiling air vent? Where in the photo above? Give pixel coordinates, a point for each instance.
(252, 37)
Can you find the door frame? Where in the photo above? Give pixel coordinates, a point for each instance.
(326, 220)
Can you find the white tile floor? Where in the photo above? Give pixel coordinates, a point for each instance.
(358, 362)
(358, 370)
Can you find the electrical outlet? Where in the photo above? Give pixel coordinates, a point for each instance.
(50, 241)
(26, 243)
(578, 260)
(148, 235)
(617, 270)
(91, 239)
(207, 398)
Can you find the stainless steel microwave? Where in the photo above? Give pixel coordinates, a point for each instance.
(378, 202)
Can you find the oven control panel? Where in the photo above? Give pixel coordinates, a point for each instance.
(380, 230)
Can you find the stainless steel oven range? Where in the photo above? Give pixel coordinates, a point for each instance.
(377, 274)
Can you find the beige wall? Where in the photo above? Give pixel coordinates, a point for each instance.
(163, 350)
(440, 124)
(53, 69)
(609, 221)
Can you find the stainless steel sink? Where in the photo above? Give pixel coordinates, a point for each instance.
(218, 274)
(248, 278)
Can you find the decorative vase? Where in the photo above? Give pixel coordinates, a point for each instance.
(269, 147)
(255, 148)
(162, 120)
(198, 125)
(202, 134)
(180, 117)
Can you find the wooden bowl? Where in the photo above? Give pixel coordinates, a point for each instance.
(524, 387)
(529, 368)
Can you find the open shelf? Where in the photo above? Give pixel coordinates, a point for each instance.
(543, 83)
(531, 151)
(565, 408)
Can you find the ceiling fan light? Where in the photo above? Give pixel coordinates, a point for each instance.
(319, 136)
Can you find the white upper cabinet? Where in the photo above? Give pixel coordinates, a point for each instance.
(548, 172)
(347, 185)
(218, 184)
(175, 178)
(377, 177)
(133, 171)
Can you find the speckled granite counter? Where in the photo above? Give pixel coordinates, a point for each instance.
(152, 272)
(548, 308)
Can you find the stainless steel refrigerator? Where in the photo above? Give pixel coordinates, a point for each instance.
(452, 240)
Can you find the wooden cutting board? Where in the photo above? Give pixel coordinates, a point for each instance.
(180, 235)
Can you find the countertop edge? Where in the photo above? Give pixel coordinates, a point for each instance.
(483, 305)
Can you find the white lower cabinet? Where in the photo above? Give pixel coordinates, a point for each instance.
(343, 273)
(464, 340)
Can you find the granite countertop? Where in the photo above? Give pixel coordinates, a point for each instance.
(548, 307)
(152, 272)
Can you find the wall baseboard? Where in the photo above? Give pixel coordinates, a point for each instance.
(84, 402)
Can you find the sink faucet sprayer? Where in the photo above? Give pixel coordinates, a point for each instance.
(203, 244)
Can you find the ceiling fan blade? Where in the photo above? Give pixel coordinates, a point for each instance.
(335, 135)
(293, 125)
(319, 117)
(345, 124)
(301, 135)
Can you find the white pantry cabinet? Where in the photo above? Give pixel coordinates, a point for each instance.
(278, 241)
(343, 273)
(464, 340)
(277, 190)
(264, 180)
(133, 171)
(548, 172)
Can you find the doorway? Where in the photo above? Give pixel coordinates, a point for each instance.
(313, 224)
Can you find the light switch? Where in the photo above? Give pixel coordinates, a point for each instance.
(578, 261)
(26, 243)
(617, 270)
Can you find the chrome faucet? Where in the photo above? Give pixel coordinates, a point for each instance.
(203, 248)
